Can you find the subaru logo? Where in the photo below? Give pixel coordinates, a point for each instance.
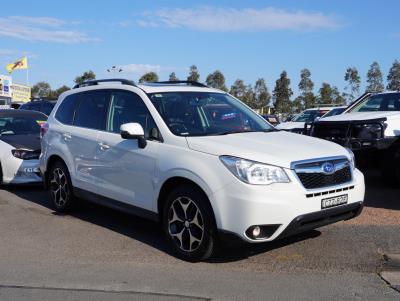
(328, 168)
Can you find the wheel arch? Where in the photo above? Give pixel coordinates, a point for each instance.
(51, 160)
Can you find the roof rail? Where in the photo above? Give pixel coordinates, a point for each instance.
(110, 80)
(179, 82)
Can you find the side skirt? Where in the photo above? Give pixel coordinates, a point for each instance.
(114, 204)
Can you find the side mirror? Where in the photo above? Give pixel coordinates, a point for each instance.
(133, 131)
(316, 119)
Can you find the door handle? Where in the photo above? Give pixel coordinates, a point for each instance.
(67, 136)
(103, 146)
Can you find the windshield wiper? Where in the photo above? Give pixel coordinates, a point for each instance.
(239, 132)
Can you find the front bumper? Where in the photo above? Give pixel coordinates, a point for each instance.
(17, 171)
(290, 206)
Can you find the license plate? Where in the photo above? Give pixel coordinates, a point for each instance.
(335, 201)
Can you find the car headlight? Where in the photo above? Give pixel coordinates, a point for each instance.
(25, 154)
(352, 158)
(253, 172)
(369, 131)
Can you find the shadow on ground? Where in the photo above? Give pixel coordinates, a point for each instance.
(150, 233)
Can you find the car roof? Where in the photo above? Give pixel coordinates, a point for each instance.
(13, 112)
(153, 88)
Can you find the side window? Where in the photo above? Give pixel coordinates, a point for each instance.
(128, 107)
(26, 107)
(65, 112)
(35, 106)
(92, 110)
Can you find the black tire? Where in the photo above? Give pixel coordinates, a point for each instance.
(196, 227)
(391, 167)
(60, 187)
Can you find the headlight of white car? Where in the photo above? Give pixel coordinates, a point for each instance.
(352, 158)
(253, 172)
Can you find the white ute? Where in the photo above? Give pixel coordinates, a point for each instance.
(371, 128)
(197, 160)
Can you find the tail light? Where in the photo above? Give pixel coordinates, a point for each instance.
(43, 129)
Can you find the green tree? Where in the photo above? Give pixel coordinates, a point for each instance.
(193, 74)
(172, 77)
(41, 89)
(393, 77)
(353, 83)
(261, 95)
(149, 77)
(282, 93)
(337, 98)
(374, 78)
(243, 92)
(87, 75)
(216, 80)
(297, 105)
(325, 94)
(306, 86)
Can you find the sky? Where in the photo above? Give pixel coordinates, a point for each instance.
(243, 39)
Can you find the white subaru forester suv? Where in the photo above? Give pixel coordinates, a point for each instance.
(197, 160)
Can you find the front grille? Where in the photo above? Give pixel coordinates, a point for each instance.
(318, 180)
(312, 174)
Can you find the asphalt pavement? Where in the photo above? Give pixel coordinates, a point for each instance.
(100, 254)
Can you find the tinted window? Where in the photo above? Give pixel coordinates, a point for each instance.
(26, 106)
(21, 124)
(65, 112)
(47, 107)
(128, 107)
(92, 110)
(35, 106)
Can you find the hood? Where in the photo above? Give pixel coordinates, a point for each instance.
(290, 125)
(29, 142)
(360, 116)
(276, 148)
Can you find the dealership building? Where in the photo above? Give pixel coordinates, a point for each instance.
(11, 92)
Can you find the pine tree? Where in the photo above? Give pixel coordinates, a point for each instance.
(353, 86)
(216, 80)
(282, 93)
(261, 94)
(243, 92)
(149, 77)
(337, 98)
(172, 77)
(306, 86)
(193, 74)
(374, 79)
(297, 105)
(393, 77)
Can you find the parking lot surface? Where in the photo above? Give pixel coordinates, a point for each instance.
(100, 254)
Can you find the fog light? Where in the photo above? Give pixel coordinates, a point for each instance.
(256, 231)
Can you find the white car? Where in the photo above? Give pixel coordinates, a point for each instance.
(20, 146)
(298, 123)
(197, 160)
(371, 128)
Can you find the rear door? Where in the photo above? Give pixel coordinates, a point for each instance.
(126, 172)
(82, 137)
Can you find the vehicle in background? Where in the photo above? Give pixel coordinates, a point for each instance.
(39, 105)
(16, 105)
(371, 128)
(335, 111)
(271, 118)
(20, 146)
(299, 123)
(196, 159)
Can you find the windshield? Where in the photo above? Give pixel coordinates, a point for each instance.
(202, 114)
(306, 116)
(334, 112)
(21, 125)
(380, 102)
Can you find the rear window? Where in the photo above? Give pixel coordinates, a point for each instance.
(21, 124)
(65, 112)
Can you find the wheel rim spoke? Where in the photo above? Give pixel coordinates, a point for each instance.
(185, 224)
(59, 187)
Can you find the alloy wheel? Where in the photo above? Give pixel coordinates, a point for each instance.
(59, 187)
(185, 224)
